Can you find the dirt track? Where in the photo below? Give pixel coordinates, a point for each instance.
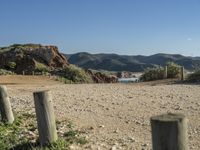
(112, 115)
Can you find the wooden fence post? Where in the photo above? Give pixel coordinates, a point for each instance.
(182, 73)
(169, 132)
(166, 72)
(23, 73)
(33, 73)
(45, 117)
(5, 106)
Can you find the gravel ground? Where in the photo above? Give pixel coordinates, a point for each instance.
(114, 116)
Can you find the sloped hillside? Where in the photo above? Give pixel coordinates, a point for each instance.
(114, 62)
(111, 62)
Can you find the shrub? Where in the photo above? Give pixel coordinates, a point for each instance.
(194, 77)
(6, 72)
(153, 74)
(41, 68)
(77, 75)
(157, 73)
(173, 70)
(12, 65)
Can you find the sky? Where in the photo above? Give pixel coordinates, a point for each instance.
(129, 27)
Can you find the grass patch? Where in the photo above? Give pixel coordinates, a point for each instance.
(14, 134)
(23, 135)
(74, 74)
(6, 72)
(42, 68)
(77, 75)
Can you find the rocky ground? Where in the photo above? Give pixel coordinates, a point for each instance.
(111, 116)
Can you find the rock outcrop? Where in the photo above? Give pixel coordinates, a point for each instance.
(38, 58)
(30, 57)
(99, 77)
(51, 56)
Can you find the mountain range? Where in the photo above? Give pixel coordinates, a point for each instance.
(137, 63)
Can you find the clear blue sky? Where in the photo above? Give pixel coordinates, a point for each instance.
(110, 26)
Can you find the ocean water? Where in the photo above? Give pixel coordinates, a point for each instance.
(128, 80)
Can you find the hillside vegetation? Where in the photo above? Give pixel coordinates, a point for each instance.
(37, 59)
(114, 62)
(158, 73)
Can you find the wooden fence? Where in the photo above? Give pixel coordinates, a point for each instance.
(169, 131)
(182, 73)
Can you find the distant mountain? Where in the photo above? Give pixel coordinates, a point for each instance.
(114, 62)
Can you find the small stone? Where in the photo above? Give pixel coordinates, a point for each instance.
(137, 122)
(101, 126)
(31, 133)
(116, 131)
(195, 131)
(128, 122)
(131, 139)
(73, 147)
(145, 145)
(91, 128)
(114, 147)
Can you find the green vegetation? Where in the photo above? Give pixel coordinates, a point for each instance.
(157, 73)
(173, 70)
(42, 68)
(77, 75)
(153, 74)
(104, 72)
(73, 136)
(23, 135)
(12, 65)
(130, 63)
(194, 77)
(6, 72)
(12, 135)
(19, 47)
(25, 46)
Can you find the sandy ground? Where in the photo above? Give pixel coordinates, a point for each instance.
(113, 116)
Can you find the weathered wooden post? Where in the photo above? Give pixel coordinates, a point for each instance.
(182, 73)
(45, 117)
(166, 72)
(33, 73)
(23, 73)
(5, 106)
(169, 132)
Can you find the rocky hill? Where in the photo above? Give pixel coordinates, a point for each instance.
(114, 62)
(31, 57)
(26, 58)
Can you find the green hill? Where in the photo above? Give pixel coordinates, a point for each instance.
(114, 62)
